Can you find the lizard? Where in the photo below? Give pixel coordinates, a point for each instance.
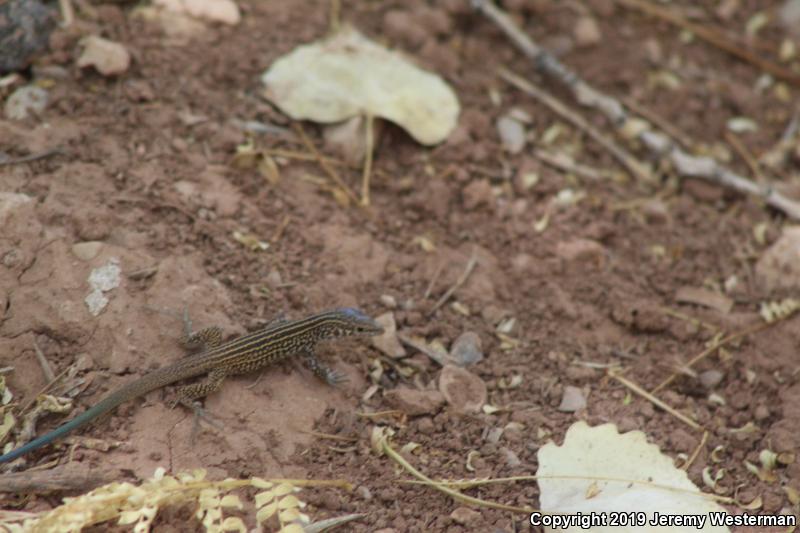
(277, 341)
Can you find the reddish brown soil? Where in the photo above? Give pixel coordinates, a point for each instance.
(157, 188)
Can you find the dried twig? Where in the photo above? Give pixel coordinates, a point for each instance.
(278, 233)
(329, 170)
(369, 146)
(435, 277)
(660, 145)
(421, 347)
(637, 170)
(30, 157)
(383, 445)
(646, 395)
(696, 452)
(714, 347)
(715, 38)
(473, 260)
(745, 154)
(67, 13)
(49, 375)
(71, 478)
(564, 162)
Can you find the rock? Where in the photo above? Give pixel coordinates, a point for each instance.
(682, 441)
(727, 9)
(702, 190)
(572, 400)
(465, 516)
(463, 390)
(711, 378)
(477, 193)
(493, 314)
(86, 251)
(224, 11)
(512, 459)
(587, 32)
(388, 342)
(107, 57)
(789, 16)
(779, 265)
(704, 297)
(26, 101)
(414, 402)
(466, 349)
(656, 212)
(582, 251)
(399, 24)
(493, 435)
(388, 300)
(25, 27)
(761, 413)
(348, 139)
(512, 134)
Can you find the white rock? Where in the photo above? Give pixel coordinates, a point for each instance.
(587, 32)
(225, 11)
(107, 57)
(24, 101)
(512, 134)
(779, 266)
(388, 342)
(572, 400)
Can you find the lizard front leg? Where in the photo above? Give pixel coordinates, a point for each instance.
(321, 370)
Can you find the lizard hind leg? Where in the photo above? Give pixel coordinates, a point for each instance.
(194, 341)
(188, 394)
(202, 340)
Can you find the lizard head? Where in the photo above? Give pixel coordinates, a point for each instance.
(350, 322)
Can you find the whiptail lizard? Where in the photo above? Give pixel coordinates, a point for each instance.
(271, 344)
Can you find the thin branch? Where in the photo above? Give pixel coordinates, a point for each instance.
(369, 146)
(329, 170)
(652, 399)
(660, 145)
(636, 169)
(473, 260)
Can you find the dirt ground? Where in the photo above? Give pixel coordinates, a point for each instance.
(145, 177)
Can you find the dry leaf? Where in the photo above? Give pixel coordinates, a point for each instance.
(347, 75)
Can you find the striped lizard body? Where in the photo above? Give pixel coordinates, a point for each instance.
(250, 352)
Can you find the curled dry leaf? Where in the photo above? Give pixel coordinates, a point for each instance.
(347, 75)
(598, 469)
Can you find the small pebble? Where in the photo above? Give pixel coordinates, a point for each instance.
(587, 32)
(107, 57)
(463, 390)
(26, 101)
(572, 400)
(466, 349)
(414, 402)
(86, 251)
(465, 516)
(494, 434)
(512, 134)
(388, 301)
(388, 342)
(512, 459)
(711, 378)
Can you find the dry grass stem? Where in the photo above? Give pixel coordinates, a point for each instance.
(652, 399)
(625, 158)
(329, 170)
(473, 261)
